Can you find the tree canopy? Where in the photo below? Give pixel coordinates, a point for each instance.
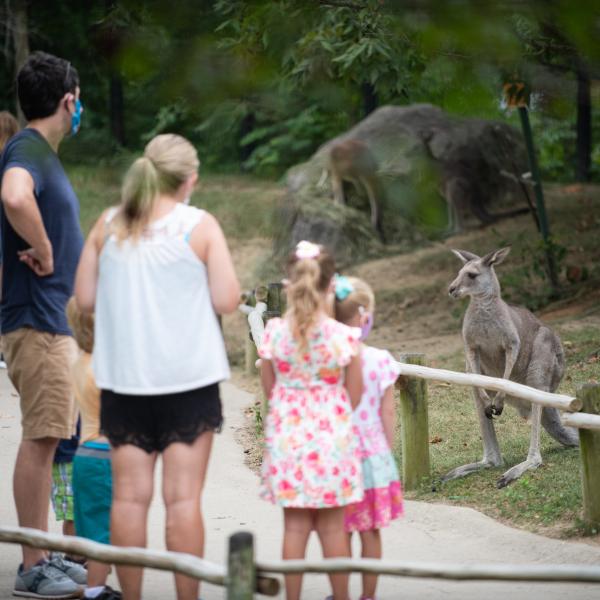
(259, 85)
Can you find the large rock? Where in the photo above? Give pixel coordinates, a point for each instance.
(419, 149)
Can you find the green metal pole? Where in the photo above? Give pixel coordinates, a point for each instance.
(539, 196)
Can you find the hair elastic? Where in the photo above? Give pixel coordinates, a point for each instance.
(343, 287)
(306, 249)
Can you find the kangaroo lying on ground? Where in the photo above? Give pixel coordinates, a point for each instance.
(509, 342)
(351, 160)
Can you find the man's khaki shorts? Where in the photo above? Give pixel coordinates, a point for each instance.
(39, 366)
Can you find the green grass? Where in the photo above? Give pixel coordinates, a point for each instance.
(548, 499)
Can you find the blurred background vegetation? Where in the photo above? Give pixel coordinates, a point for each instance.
(259, 85)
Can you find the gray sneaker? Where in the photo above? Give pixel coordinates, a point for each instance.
(45, 581)
(77, 572)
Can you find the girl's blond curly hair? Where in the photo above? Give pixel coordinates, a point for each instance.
(309, 279)
(82, 325)
(361, 296)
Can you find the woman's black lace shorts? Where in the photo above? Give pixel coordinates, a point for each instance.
(153, 422)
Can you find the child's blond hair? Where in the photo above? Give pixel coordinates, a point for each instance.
(309, 279)
(82, 325)
(361, 296)
(9, 126)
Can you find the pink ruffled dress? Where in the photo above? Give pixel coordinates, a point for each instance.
(383, 492)
(312, 453)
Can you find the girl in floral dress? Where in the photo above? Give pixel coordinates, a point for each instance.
(375, 420)
(311, 373)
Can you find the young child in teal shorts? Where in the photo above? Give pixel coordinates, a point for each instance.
(92, 478)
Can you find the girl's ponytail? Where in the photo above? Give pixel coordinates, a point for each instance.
(168, 161)
(310, 269)
(303, 298)
(138, 196)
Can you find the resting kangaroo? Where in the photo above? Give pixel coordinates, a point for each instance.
(509, 342)
(351, 160)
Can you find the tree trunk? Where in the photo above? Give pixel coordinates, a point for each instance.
(21, 44)
(369, 98)
(584, 126)
(116, 108)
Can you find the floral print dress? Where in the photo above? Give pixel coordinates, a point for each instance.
(383, 493)
(312, 455)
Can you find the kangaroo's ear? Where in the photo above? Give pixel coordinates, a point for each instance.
(495, 257)
(464, 255)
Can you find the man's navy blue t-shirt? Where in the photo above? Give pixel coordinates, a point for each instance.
(29, 300)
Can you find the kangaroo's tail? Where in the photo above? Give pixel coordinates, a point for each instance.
(551, 422)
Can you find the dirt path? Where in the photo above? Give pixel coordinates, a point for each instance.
(429, 532)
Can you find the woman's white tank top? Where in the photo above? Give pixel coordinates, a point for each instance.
(156, 330)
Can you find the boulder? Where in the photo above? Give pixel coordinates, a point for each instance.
(421, 153)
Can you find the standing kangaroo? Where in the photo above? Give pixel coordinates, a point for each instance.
(351, 160)
(510, 342)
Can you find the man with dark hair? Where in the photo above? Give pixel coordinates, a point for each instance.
(41, 243)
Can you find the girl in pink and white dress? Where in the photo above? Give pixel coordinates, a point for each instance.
(375, 420)
(310, 370)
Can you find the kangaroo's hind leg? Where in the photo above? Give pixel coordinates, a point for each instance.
(543, 373)
(534, 456)
(491, 449)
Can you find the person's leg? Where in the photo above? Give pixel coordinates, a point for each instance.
(133, 484)
(97, 574)
(92, 499)
(184, 472)
(31, 488)
(334, 541)
(68, 527)
(298, 523)
(38, 367)
(371, 548)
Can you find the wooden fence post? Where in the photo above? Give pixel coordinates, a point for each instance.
(241, 573)
(414, 426)
(275, 300)
(590, 456)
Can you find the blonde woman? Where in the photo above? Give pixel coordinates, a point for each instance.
(157, 272)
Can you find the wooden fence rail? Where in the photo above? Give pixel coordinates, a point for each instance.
(244, 575)
(176, 562)
(560, 401)
(453, 571)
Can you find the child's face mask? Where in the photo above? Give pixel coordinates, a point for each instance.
(366, 325)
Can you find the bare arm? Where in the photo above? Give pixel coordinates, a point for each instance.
(267, 376)
(388, 416)
(86, 278)
(24, 215)
(354, 382)
(210, 245)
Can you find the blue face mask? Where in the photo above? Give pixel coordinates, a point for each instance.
(76, 117)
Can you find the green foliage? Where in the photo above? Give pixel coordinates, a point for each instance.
(356, 47)
(281, 144)
(313, 68)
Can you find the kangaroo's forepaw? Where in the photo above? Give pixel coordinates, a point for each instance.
(492, 411)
